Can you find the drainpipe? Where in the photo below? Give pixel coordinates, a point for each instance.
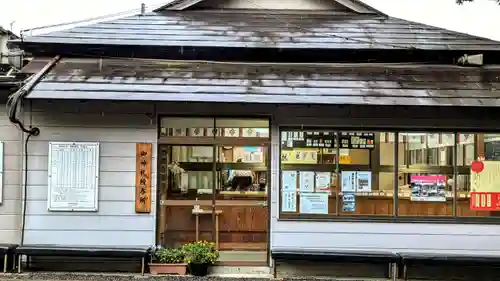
(14, 104)
(16, 98)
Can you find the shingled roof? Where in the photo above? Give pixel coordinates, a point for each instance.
(285, 29)
(374, 84)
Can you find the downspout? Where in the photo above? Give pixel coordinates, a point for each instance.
(13, 105)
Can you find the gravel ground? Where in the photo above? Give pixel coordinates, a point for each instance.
(56, 276)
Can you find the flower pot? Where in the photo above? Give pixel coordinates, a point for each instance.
(198, 269)
(168, 268)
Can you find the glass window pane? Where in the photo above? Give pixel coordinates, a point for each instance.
(310, 181)
(186, 127)
(367, 180)
(188, 171)
(477, 183)
(425, 180)
(192, 154)
(242, 128)
(308, 178)
(309, 147)
(243, 172)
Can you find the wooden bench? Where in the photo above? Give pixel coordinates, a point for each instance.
(443, 259)
(82, 251)
(7, 250)
(389, 260)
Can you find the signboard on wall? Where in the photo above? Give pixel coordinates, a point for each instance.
(73, 176)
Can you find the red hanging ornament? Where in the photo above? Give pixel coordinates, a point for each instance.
(477, 166)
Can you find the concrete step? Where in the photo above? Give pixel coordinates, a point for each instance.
(253, 256)
(241, 271)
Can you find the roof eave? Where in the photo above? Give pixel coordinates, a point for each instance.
(169, 4)
(359, 7)
(354, 5)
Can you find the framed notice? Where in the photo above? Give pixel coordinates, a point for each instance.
(73, 176)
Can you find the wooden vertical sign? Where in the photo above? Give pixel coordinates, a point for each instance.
(144, 158)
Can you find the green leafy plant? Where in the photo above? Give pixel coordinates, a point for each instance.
(200, 252)
(168, 255)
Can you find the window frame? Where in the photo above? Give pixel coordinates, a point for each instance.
(396, 169)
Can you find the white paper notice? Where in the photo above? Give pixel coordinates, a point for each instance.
(289, 180)
(323, 180)
(289, 201)
(313, 203)
(348, 181)
(364, 181)
(306, 181)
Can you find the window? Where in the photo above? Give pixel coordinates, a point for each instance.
(479, 188)
(330, 173)
(239, 168)
(425, 174)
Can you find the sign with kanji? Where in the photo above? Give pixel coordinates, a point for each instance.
(485, 201)
(144, 156)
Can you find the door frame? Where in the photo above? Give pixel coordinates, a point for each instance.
(163, 202)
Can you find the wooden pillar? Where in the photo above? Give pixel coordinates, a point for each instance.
(162, 194)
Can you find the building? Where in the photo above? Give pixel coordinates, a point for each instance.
(346, 94)
(10, 147)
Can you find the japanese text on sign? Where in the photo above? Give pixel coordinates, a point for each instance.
(143, 178)
(485, 201)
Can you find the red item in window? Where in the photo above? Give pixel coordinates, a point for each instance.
(485, 201)
(477, 166)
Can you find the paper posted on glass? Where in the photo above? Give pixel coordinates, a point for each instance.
(323, 181)
(289, 191)
(485, 185)
(356, 181)
(349, 202)
(353, 182)
(306, 181)
(289, 202)
(314, 203)
(428, 188)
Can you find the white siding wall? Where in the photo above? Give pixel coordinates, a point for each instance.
(3, 49)
(117, 128)
(398, 237)
(10, 208)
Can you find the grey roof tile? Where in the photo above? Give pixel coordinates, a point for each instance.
(268, 29)
(125, 79)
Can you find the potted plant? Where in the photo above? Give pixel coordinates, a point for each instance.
(167, 261)
(200, 256)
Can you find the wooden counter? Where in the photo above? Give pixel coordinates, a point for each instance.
(243, 221)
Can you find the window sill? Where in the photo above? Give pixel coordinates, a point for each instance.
(392, 219)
